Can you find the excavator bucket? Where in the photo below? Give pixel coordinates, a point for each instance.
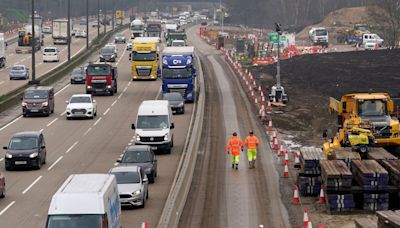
(333, 105)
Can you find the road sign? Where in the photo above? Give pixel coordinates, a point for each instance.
(119, 14)
(273, 37)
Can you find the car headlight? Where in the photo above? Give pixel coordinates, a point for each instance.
(89, 87)
(24, 104)
(137, 137)
(45, 103)
(109, 86)
(137, 192)
(166, 137)
(112, 56)
(101, 56)
(190, 95)
(33, 155)
(180, 104)
(8, 155)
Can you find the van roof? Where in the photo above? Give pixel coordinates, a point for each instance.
(81, 194)
(154, 107)
(178, 50)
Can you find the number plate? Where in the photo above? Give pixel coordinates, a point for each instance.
(154, 148)
(20, 162)
(79, 113)
(34, 110)
(99, 90)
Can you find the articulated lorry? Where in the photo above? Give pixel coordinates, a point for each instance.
(178, 71)
(177, 35)
(2, 51)
(153, 29)
(137, 28)
(144, 58)
(60, 31)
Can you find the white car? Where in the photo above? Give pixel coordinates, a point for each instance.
(370, 46)
(73, 31)
(50, 54)
(80, 33)
(129, 44)
(46, 29)
(81, 105)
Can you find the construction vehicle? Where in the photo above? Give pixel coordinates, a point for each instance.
(177, 35)
(137, 28)
(319, 36)
(365, 115)
(144, 58)
(25, 40)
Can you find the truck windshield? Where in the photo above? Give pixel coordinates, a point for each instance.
(127, 177)
(35, 94)
(177, 73)
(371, 108)
(144, 56)
(82, 221)
(321, 32)
(152, 122)
(102, 70)
(137, 27)
(178, 36)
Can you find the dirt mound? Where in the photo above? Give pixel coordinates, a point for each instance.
(311, 79)
(345, 17)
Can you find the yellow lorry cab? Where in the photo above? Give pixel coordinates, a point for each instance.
(144, 58)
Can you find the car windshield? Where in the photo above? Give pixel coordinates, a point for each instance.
(23, 143)
(98, 70)
(152, 122)
(177, 72)
(173, 97)
(144, 56)
(321, 32)
(81, 221)
(107, 50)
(80, 100)
(35, 94)
(372, 108)
(127, 177)
(18, 68)
(136, 157)
(77, 71)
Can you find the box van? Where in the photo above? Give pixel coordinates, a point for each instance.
(87, 201)
(154, 125)
(50, 54)
(372, 38)
(38, 100)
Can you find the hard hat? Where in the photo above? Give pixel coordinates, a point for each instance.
(234, 134)
(251, 132)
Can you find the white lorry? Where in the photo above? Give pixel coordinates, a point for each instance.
(319, 36)
(86, 200)
(2, 51)
(60, 31)
(137, 28)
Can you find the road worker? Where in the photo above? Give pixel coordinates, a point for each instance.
(234, 146)
(251, 143)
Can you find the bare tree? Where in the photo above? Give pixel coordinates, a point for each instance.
(386, 15)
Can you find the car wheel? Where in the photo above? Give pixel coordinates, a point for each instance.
(147, 194)
(183, 110)
(92, 117)
(72, 82)
(95, 113)
(68, 118)
(111, 92)
(3, 194)
(143, 203)
(39, 163)
(11, 78)
(44, 160)
(168, 151)
(8, 167)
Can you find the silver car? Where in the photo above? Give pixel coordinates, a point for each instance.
(19, 72)
(132, 185)
(119, 38)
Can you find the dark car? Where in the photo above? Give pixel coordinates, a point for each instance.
(176, 102)
(108, 54)
(38, 100)
(26, 149)
(119, 38)
(143, 156)
(78, 75)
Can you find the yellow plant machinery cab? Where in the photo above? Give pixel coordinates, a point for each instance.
(144, 58)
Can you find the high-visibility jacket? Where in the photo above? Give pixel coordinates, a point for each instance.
(251, 142)
(235, 145)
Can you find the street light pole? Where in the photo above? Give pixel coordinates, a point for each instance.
(87, 24)
(98, 18)
(69, 29)
(33, 42)
(104, 17)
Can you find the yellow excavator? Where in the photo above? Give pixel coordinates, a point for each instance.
(364, 119)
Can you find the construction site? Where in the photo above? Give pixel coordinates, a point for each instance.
(334, 131)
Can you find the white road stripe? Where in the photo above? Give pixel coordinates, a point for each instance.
(71, 147)
(125, 89)
(116, 163)
(105, 113)
(1, 159)
(30, 186)
(63, 113)
(62, 89)
(41, 130)
(6, 208)
(97, 121)
(87, 131)
(129, 144)
(59, 159)
(1, 82)
(114, 103)
(129, 83)
(5, 126)
(119, 97)
(48, 125)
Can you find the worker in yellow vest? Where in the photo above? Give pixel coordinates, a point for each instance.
(251, 142)
(234, 146)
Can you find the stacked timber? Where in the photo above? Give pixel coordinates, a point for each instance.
(337, 179)
(365, 223)
(309, 177)
(388, 219)
(346, 154)
(374, 180)
(379, 154)
(393, 168)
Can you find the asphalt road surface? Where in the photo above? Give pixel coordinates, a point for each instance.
(87, 146)
(220, 196)
(77, 45)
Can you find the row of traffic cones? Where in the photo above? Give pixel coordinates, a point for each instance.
(296, 198)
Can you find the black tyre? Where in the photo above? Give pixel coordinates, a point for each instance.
(152, 177)
(8, 167)
(44, 160)
(144, 203)
(111, 92)
(3, 194)
(147, 194)
(39, 163)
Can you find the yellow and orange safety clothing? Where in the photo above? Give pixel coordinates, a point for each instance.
(235, 145)
(251, 142)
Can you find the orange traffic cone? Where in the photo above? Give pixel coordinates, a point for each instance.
(322, 195)
(296, 199)
(276, 146)
(270, 125)
(269, 108)
(256, 101)
(259, 89)
(305, 218)
(296, 159)
(144, 225)
(281, 151)
(286, 171)
(286, 161)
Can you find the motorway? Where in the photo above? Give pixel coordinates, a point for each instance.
(77, 45)
(87, 146)
(220, 196)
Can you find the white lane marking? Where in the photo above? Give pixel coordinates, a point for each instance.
(119, 97)
(116, 163)
(129, 144)
(132, 140)
(1, 82)
(114, 103)
(63, 113)
(6, 208)
(62, 89)
(87, 131)
(48, 125)
(97, 121)
(41, 130)
(125, 89)
(1, 159)
(31, 185)
(59, 159)
(129, 83)
(4, 127)
(71, 147)
(105, 113)
(123, 53)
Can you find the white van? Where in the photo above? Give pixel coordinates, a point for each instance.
(154, 125)
(50, 54)
(86, 201)
(372, 38)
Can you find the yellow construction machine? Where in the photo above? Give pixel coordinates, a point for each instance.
(364, 119)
